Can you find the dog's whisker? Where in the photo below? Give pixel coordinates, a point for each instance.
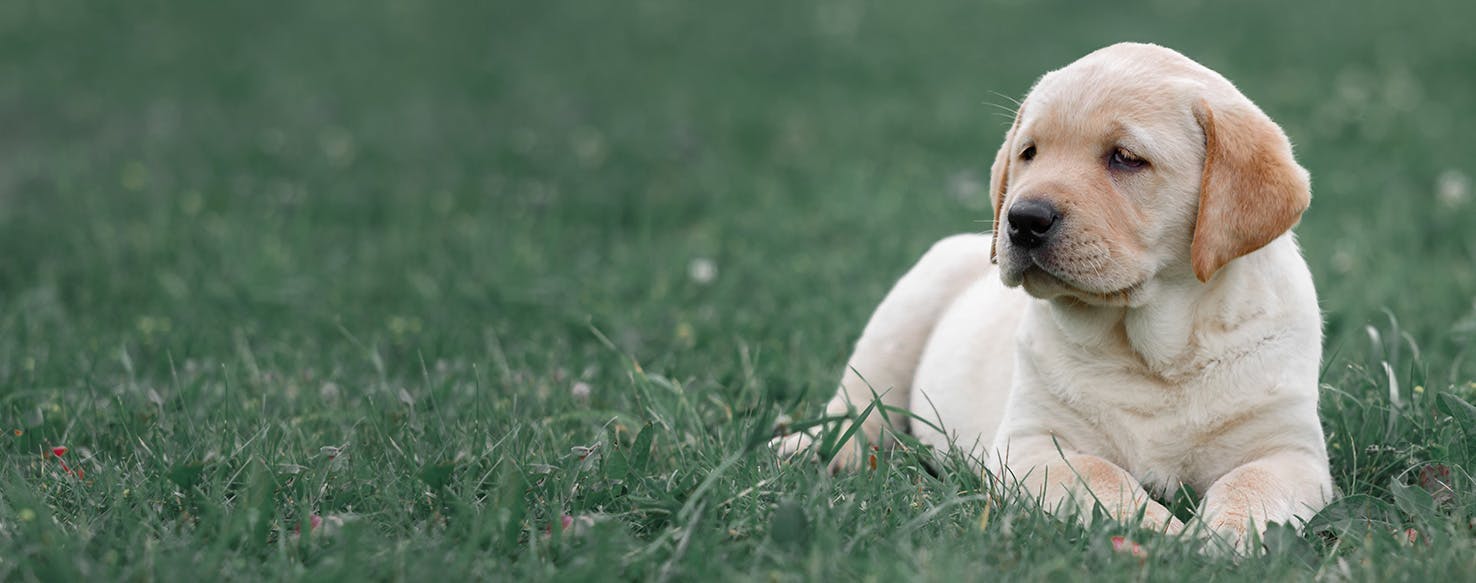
(1013, 111)
(1017, 102)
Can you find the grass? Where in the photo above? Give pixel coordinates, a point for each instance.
(458, 244)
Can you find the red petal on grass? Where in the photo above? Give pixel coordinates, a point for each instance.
(1123, 545)
(565, 523)
(314, 521)
(59, 450)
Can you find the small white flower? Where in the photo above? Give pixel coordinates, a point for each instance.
(702, 270)
(967, 187)
(580, 391)
(1343, 261)
(323, 526)
(1453, 189)
(338, 145)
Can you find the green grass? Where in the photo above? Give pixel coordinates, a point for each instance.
(237, 234)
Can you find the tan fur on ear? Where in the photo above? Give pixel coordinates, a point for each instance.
(1252, 190)
(998, 175)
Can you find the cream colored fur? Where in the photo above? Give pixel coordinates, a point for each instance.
(1106, 368)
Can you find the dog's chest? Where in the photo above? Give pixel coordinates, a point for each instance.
(1164, 429)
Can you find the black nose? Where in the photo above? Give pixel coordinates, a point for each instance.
(1031, 222)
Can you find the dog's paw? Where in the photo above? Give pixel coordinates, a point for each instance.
(848, 458)
(1229, 536)
(1161, 520)
(788, 446)
(802, 446)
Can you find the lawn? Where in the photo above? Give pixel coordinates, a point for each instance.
(517, 290)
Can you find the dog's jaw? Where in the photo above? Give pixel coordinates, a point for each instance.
(1037, 278)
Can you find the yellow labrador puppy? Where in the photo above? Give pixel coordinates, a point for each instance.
(1150, 321)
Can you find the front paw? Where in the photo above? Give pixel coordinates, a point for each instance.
(1161, 520)
(1234, 533)
(848, 457)
(788, 447)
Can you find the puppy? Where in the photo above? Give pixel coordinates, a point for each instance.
(1140, 318)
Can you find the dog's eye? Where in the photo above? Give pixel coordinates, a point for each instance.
(1125, 160)
(1028, 154)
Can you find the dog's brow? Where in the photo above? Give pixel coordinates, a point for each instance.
(1133, 138)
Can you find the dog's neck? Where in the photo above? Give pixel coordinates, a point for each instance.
(1168, 332)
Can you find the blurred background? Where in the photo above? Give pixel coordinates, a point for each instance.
(709, 184)
(430, 268)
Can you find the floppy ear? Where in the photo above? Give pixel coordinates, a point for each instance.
(1252, 189)
(998, 174)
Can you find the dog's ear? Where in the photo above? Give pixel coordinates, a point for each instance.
(1252, 189)
(998, 176)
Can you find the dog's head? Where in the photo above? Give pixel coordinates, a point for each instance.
(1135, 164)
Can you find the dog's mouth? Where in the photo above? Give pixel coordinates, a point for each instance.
(1041, 281)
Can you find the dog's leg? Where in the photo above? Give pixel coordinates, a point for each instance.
(1286, 487)
(886, 356)
(1063, 481)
